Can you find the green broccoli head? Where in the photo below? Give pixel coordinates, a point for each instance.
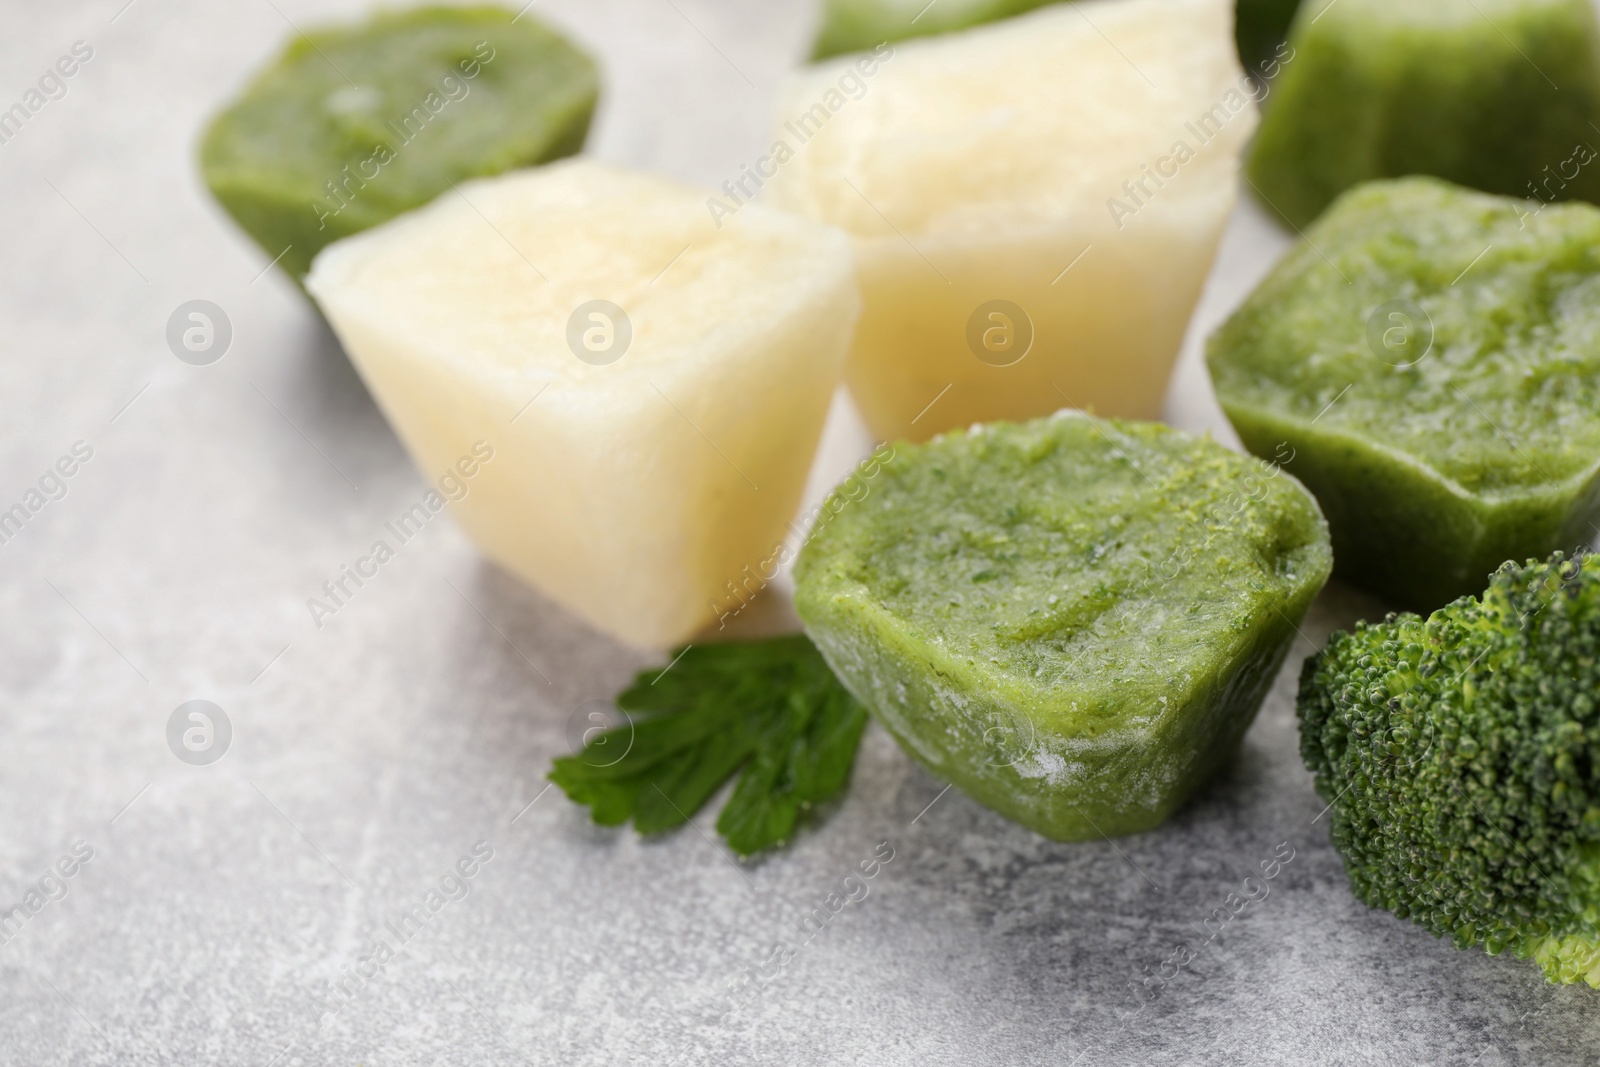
(1460, 759)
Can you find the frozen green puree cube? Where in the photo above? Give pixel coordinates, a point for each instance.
(1498, 95)
(1428, 363)
(1072, 619)
(354, 125)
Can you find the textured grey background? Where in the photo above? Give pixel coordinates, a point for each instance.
(370, 755)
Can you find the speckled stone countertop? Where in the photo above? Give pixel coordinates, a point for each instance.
(212, 909)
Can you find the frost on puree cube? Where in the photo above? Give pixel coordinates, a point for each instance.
(1428, 362)
(652, 386)
(1035, 204)
(354, 125)
(1074, 620)
(1460, 89)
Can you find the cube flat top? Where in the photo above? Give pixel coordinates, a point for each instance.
(492, 274)
(333, 99)
(368, 758)
(1035, 119)
(1445, 323)
(1099, 574)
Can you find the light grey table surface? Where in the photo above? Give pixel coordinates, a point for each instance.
(221, 902)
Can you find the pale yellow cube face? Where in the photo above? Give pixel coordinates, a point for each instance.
(642, 460)
(1035, 204)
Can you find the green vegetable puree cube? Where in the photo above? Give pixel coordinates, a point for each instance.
(1498, 95)
(352, 126)
(1428, 363)
(1072, 619)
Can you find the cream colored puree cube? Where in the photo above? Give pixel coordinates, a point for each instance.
(1078, 163)
(632, 477)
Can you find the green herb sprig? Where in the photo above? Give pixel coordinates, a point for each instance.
(770, 711)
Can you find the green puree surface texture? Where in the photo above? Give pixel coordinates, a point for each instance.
(1072, 619)
(447, 94)
(1434, 465)
(1485, 93)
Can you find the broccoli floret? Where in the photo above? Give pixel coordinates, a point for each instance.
(1460, 759)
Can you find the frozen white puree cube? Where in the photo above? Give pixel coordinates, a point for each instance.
(1035, 204)
(645, 450)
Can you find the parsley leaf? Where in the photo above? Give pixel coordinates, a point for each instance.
(771, 709)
